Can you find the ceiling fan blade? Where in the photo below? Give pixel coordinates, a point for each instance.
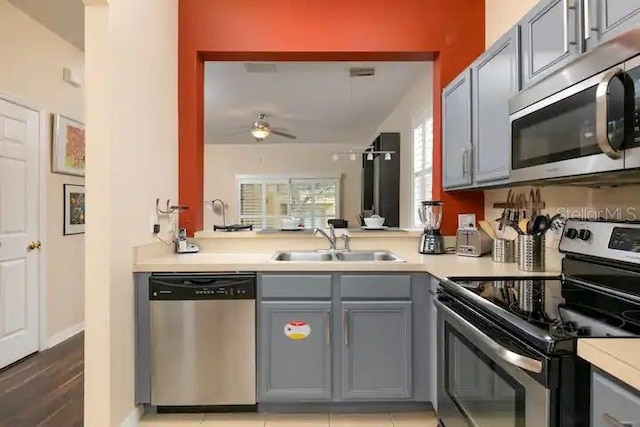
(283, 134)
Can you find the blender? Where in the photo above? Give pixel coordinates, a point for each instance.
(431, 240)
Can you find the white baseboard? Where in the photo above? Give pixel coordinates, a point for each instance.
(65, 335)
(133, 418)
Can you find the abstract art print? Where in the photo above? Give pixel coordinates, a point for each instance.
(68, 146)
(74, 209)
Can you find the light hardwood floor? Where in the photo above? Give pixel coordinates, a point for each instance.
(407, 419)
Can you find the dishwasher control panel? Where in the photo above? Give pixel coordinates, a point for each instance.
(202, 287)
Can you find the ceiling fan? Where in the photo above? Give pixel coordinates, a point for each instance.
(261, 129)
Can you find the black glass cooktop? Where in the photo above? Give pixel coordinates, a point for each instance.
(550, 309)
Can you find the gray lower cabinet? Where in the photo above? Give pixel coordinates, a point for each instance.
(605, 19)
(551, 37)
(495, 79)
(377, 350)
(294, 367)
(456, 132)
(612, 403)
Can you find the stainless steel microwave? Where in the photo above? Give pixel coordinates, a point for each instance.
(582, 122)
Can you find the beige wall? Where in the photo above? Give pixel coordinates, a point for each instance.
(500, 15)
(32, 59)
(132, 131)
(417, 100)
(222, 162)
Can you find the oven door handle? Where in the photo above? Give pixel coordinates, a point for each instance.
(524, 362)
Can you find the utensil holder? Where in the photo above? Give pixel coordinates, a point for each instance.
(531, 252)
(504, 250)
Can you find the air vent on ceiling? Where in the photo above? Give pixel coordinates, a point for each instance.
(260, 67)
(362, 72)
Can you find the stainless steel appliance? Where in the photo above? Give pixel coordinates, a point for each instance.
(581, 123)
(203, 340)
(431, 240)
(507, 345)
(473, 242)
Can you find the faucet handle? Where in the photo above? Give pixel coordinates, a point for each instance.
(345, 239)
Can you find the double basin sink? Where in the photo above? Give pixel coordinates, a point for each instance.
(355, 256)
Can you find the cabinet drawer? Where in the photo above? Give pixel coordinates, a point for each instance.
(380, 286)
(296, 286)
(613, 404)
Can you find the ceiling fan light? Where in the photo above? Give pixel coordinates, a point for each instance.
(334, 157)
(387, 156)
(259, 133)
(370, 157)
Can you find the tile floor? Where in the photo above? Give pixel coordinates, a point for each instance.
(404, 419)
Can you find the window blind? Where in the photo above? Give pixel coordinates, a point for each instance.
(422, 163)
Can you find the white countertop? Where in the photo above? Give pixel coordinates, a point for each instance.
(619, 357)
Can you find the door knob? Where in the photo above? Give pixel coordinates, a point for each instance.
(34, 245)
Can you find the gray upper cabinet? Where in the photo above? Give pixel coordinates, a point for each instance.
(495, 78)
(293, 368)
(551, 36)
(377, 350)
(604, 19)
(456, 128)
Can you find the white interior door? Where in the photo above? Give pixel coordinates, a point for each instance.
(19, 135)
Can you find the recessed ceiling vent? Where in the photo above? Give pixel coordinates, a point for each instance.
(362, 72)
(260, 67)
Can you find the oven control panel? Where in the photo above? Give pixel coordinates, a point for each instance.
(625, 239)
(618, 241)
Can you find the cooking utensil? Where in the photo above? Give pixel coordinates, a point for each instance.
(540, 224)
(523, 225)
(504, 218)
(516, 227)
(488, 228)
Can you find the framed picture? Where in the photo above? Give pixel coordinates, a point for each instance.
(74, 209)
(68, 146)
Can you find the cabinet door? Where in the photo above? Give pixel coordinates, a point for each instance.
(551, 37)
(376, 356)
(612, 403)
(295, 351)
(456, 132)
(605, 19)
(496, 78)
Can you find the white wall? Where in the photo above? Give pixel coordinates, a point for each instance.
(32, 61)
(417, 100)
(222, 162)
(500, 15)
(132, 156)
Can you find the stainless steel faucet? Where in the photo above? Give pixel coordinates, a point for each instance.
(331, 237)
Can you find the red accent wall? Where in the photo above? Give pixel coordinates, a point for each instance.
(450, 32)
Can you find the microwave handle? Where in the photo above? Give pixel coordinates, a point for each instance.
(602, 134)
(511, 357)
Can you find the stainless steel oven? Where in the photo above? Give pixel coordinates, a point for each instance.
(485, 378)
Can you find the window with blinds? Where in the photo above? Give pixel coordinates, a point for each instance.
(263, 202)
(422, 163)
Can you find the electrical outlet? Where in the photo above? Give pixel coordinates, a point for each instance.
(154, 224)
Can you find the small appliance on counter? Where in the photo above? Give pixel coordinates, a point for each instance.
(473, 242)
(431, 240)
(183, 246)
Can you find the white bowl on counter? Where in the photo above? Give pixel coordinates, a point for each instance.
(374, 221)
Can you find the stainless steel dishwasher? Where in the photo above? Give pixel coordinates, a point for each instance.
(203, 339)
